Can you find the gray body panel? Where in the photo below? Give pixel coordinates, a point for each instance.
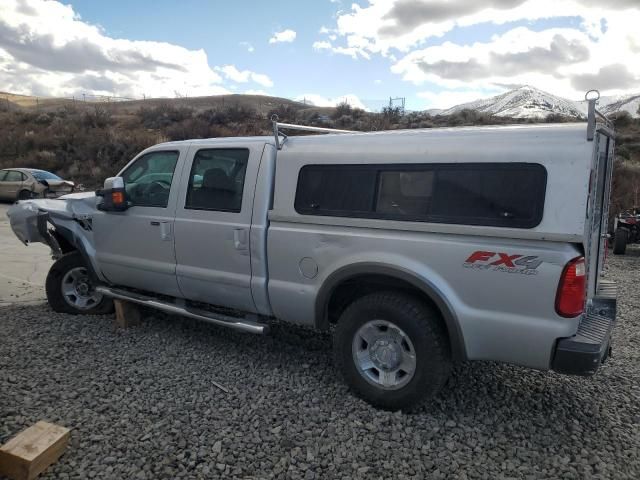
(271, 260)
(502, 316)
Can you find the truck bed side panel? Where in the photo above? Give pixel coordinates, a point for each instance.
(504, 313)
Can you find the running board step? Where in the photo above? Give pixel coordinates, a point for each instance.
(241, 324)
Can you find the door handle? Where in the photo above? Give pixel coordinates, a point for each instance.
(240, 238)
(165, 229)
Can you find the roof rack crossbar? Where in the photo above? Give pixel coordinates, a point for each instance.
(291, 126)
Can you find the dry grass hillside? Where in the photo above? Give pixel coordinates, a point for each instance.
(89, 141)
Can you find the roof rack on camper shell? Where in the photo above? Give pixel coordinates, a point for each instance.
(290, 126)
(593, 116)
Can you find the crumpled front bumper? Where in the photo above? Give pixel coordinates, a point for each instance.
(23, 218)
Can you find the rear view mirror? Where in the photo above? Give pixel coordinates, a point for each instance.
(114, 195)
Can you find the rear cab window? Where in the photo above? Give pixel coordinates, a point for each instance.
(490, 194)
(216, 180)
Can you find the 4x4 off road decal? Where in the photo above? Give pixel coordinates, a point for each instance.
(503, 262)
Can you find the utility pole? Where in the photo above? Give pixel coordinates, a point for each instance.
(400, 101)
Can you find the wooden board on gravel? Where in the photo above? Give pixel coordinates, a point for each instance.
(30, 452)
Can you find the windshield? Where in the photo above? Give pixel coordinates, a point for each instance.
(42, 175)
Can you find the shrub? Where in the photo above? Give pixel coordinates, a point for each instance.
(341, 110)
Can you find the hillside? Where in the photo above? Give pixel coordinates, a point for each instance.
(260, 103)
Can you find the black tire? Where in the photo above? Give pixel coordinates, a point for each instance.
(24, 195)
(423, 327)
(54, 286)
(620, 241)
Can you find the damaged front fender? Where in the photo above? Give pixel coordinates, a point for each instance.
(23, 217)
(70, 218)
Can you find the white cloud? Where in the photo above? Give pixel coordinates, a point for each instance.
(46, 49)
(349, 51)
(559, 60)
(261, 79)
(285, 36)
(321, 45)
(563, 61)
(244, 76)
(320, 101)
(248, 46)
(404, 24)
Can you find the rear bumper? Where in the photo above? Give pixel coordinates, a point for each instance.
(583, 353)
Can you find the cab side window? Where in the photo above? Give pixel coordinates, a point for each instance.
(216, 181)
(148, 180)
(3, 174)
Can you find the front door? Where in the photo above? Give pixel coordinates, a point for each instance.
(213, 222)
(135, 248)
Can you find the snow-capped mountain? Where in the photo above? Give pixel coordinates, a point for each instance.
(529, 102)
(618, 103)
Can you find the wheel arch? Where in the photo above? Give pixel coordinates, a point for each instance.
(394, 277)
(63, 240)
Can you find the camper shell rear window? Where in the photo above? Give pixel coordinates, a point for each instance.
(490, 194)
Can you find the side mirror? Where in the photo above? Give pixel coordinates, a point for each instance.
(114, 195)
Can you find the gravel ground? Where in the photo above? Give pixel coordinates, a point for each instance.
(142, 404)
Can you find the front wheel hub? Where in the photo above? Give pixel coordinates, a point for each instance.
(385, 354)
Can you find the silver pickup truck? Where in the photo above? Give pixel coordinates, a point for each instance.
(419, 248)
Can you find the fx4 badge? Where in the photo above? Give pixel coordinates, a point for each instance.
(503, 262)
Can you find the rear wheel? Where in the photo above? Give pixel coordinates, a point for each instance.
(392, 350)
(620, 241)
(24, 195)
(70, 288)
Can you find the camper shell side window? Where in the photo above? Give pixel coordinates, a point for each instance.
(489, 194)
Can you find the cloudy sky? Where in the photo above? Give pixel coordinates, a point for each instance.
(436, 53)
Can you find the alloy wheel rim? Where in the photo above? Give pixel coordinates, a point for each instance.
(384, 354)
(78, 291)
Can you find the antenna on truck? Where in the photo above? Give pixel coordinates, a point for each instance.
(593, 114)
(290, 126)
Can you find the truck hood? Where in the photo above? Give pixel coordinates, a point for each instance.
(23, 215)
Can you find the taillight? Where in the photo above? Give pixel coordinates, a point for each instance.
(572, 289)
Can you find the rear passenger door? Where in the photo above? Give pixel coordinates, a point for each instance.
(213, 223)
